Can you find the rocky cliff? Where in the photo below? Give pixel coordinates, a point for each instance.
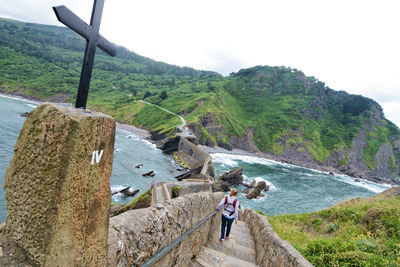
(282, 114)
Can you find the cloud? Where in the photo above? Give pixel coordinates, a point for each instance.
(392, 111)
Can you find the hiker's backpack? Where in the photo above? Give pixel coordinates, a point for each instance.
(233, 204)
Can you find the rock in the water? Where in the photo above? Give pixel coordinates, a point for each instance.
(331, 173)
(25, 114)
(221, 186)
(127, 192)
(357, 180)
(58, 187)
(139, 165)
(150, 173)
(261, 185)
(266, 189)
(254, 193)
(233, 177)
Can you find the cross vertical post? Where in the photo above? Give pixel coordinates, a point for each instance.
(93, 39)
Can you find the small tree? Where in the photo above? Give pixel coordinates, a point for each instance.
(146, 94)
(210, 86)
(163, 95)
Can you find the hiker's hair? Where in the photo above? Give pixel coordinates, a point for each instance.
(233, 192)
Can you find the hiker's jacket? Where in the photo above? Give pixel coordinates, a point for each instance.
(229, 211)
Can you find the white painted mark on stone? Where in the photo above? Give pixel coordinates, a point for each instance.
(96, 156)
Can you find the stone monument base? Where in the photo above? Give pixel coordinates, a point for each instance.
(58, 189)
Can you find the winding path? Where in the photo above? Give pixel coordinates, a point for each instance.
(184, 131)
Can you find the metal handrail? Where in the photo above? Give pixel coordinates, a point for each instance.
(176, 241)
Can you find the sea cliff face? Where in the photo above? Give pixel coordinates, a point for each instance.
(290, 117)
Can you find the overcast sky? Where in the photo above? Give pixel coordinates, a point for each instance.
(350, 45)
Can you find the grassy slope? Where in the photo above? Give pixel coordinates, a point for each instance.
(279, 103)
(357, 232)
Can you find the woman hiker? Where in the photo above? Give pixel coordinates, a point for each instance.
(230, 213)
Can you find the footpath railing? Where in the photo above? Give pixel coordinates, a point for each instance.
(176, 242)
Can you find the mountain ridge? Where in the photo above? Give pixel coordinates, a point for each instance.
(278, 111)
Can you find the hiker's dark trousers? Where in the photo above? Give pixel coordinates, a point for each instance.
(226, 223)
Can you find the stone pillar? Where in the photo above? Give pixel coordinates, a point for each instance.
(57, 188)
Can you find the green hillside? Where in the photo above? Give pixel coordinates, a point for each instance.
(356, 232)
(276, 110)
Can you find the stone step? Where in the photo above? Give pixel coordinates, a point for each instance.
(212, 258)
(234, 250)
(238, 251)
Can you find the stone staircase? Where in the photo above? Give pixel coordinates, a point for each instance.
(159, 193)
(238, 251)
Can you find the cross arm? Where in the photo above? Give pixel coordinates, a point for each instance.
(107, 46)
(67, 17)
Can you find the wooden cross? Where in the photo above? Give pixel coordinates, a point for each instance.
(93, 39)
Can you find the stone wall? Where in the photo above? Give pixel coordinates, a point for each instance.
(189, 187)
(192, 150)
(271, 250)
(137, 235)
(58, 189)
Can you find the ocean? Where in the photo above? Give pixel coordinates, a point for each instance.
(292, 189)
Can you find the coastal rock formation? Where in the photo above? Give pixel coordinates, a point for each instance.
(234, 177)
(228, 179)
(221, 186)
(126, 192)
(262, 185)
(254, 189)
(253, 193)
(58, 189)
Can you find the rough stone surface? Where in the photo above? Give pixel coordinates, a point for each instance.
(58, 202)
(261, 185)
(137, 235)
(271, 250)
(254, 193)
(187, 187)
(246, 142)
(221, 186)
(233, 177)
(190, 149)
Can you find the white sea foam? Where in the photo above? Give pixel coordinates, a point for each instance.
(225, 158)
(371, 186)
(222, 159)
(19, 98)
(115, 188)
(32, 105)
(228, 159)
(149, 143)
